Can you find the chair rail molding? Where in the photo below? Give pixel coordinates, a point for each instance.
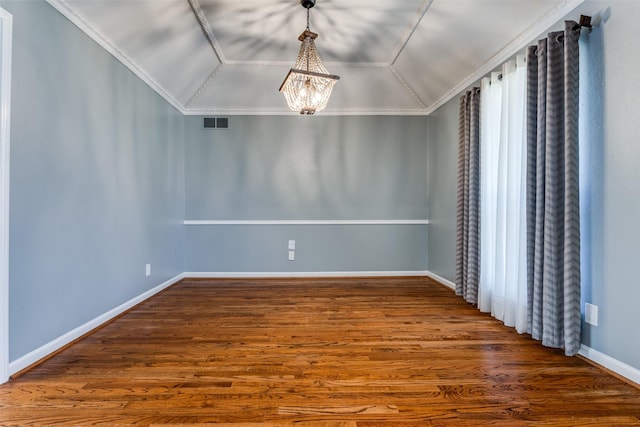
(308, 222)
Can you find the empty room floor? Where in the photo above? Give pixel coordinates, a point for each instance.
(341, 352)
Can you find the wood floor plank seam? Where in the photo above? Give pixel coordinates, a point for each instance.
(325, 352)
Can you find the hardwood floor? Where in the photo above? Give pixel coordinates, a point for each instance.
(314, 353)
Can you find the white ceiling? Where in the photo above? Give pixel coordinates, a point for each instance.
(392, 56)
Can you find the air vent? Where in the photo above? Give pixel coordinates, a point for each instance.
(216, 123)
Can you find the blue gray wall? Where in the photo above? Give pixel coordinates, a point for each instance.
(97, 188)
(443, 166)
(104, 172)
(611, 162)
(610, 177)
(306, 168)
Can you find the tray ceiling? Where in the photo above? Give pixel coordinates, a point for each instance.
(393, 57)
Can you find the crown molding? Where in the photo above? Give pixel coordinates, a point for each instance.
(539, 27)
(420, 13)
(68, 12)
(206, 29)
(202, 87)
(407, 87)
(520, 42)
(287, 112)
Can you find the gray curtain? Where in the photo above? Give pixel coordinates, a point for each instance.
(553, 208)
(468, 198)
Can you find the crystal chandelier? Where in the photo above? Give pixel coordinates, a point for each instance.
(308, 84)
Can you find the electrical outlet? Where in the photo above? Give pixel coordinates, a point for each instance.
(147, 270)
(591, 314)
(292, 255)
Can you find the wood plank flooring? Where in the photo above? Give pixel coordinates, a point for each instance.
(314, 353)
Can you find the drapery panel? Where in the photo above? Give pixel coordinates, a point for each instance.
(503, 280)
(468, 198)
(553, 208)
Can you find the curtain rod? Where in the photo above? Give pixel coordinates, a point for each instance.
(585, 22)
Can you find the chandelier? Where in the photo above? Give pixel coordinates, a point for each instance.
(307, 87)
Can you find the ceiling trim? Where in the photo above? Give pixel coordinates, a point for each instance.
(287, 112)
(206, 29)
(525, 38)
(203, 86)
(62, 7)
(407, 86)
(328, 64)
(542, 25)
(412, 29)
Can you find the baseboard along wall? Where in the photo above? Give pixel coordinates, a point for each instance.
(34, 357)
(45, 351)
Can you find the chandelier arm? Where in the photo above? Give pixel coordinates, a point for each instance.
(314, 74)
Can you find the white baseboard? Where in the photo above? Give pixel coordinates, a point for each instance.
(293, 274)
(29, 359)
(56, 344)
(620, 368)
(447, 283)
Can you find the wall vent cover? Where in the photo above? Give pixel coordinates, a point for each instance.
(216, 123)
(209, 122)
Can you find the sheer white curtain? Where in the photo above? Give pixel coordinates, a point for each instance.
(503, 280)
